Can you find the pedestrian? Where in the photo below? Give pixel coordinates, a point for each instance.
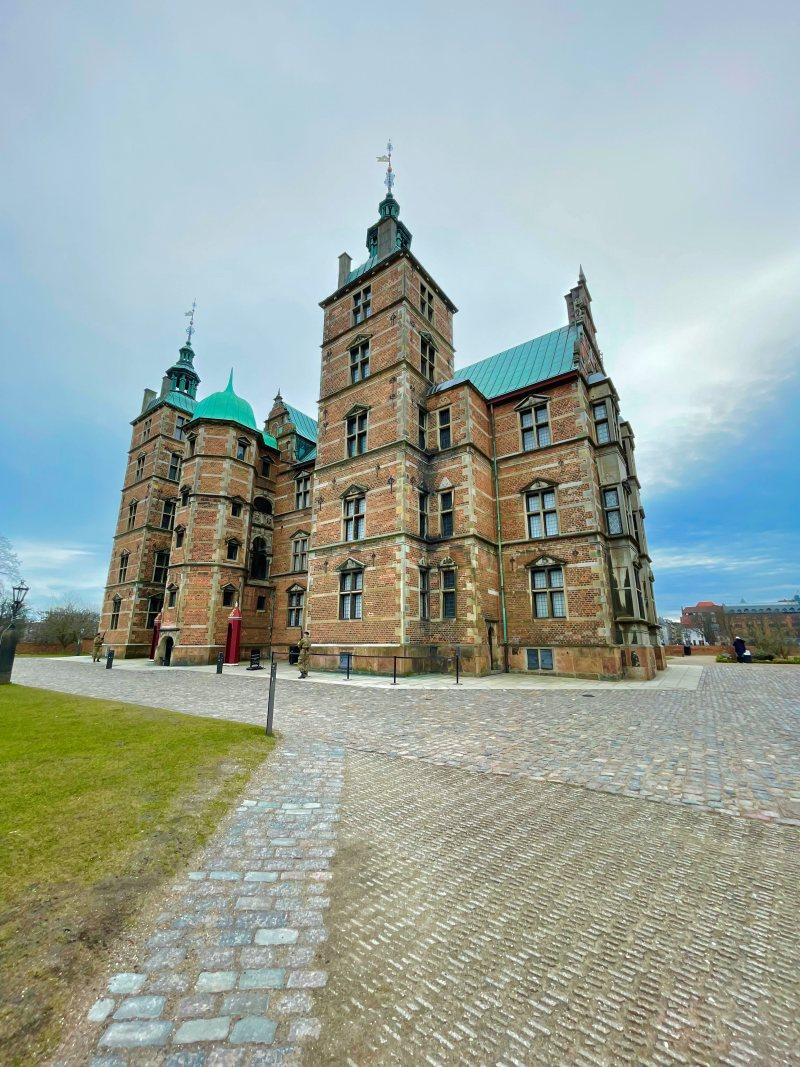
(97, 646)
(305, 654)
(739, 648)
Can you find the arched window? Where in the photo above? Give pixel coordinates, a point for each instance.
(259, 560)
(262, 505)
(228, 596)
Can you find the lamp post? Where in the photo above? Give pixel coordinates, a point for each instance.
(9, 638)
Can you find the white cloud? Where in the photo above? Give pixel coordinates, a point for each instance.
(692, 392)
(55, 571)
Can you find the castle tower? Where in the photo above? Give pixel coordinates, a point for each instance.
(222, 547)
(140, 556)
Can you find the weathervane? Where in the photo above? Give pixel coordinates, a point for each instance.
(388, 181)
(190, 328)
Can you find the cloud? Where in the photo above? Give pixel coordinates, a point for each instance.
(55, 571)
(693, 391)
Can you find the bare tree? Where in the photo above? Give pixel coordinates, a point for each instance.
(65, 624)
(9, 573)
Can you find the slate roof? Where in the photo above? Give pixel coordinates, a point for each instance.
(523, 365)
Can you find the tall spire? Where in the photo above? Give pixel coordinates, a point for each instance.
(387, 235)
(182, 375)
(389, 180)
(190, 328)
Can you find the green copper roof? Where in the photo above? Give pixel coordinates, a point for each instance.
(526, 364)
(304, 424)
(358, 271)
(177, 399)
(227, 407)
(269, 440)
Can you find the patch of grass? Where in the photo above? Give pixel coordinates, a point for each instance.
(100, 802)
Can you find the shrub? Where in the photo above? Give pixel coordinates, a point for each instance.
(723, 657)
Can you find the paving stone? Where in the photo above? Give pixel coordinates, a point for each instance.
(282, 936)
(202, 1004)
(306, 980)
(215, 981)
(140, 1008)
(250, 1003)
(100, 1010)
(304, 1029)
(196, 1030)
(253, 1029)
(136, 1034)
(126, 982)
(262, 978)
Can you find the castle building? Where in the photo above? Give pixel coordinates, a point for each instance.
(492, 510)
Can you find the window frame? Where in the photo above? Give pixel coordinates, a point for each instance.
(229, 596)
(612, 509)
(266, 467)
(355, 427)
(140, 462)
(257, 552)
(180, 534)
(351, 594)
(133, 506)
(160, 566)
(359, 362)
(424, 594)
(542, 512)
(180, 422)
(426, 302)
(232, 546)
(427, 364)
(172, 595)
(236, 508)
(116, 604)
(422, 427)
(423, 509)
(174, 471)
(302, 492)
(530, 435)
(295, 603)
(122, 571)
(299, 553)
(538, 651)
(242, 446)
(448, 593)
(354, 517)
(167, 521)
(362, 305)
(549, 591)
(444, 427)
(447, 516)
(154, 605)
(601, 420)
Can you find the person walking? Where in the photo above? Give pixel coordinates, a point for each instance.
(739, 648)
(97, 646)
(305, 654)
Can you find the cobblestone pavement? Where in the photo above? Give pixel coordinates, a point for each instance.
(481, 913)
(478, 920)
(730, 746)
(229, 971)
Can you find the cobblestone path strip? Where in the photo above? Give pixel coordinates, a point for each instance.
(731, 746)
(478, 920)
(229, 973)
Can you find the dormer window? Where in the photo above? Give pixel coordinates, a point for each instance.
(362, 304)
(241, 448)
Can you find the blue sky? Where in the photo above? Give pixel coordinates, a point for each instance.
(158, 153)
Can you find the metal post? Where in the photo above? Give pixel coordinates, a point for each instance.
(220, 661)
(394, 671)
(109, 659)
(458, 666)
(273, 671)
(349, 661)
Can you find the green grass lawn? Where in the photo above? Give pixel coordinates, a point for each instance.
(99, 803)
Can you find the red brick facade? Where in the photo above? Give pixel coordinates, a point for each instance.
(433, 519)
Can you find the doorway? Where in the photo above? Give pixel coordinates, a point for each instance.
(490, 634)
(168, 644)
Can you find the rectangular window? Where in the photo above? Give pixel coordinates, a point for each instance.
(541, 514)
(115, 604)
(444, 428)
(357, 434)
(362, 304)
(123, 567)
(154, 606)
(236, 509)
(300, 554)
(192, 443)
(241, 449)
(639, 597)
(535, 426)
(426, 302)
(174, 467)
(302, 491)
(146, 434)
(160, 566)
(295, 614)
(359, 362)
(424, 593)
(172, 596)
(446, 513)
(132, 513)
(612, 511)
(601, 425)
(547, 587)
(422, 427)
(180, 422)
(168, 515)
(261, 603)
(266, 467)
(540, 659)
(448, 593)
(426, 358)
(423, 499)
(233, 550)
(228, 596)
(140, 467)
(351, 584)
(179, 533)
(354, 511)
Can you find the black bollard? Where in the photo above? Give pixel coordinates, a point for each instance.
(273, 671)
(109, 659)
(220, 661)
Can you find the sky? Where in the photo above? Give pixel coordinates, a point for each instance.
(155, 154)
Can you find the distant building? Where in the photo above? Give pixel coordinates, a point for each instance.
(754, 621)
(707, 617)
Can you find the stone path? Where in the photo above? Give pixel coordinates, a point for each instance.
(481, 912)
(229, 971)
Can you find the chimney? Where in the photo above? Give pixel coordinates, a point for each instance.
(166, 385)
(149, 394)
(345, 263)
